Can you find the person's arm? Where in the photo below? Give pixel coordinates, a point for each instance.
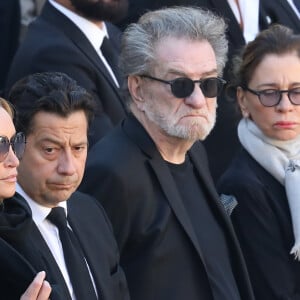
(39, 289)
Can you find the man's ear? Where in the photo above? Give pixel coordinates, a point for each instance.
(136, 90)
(135, 87)
(242, 101)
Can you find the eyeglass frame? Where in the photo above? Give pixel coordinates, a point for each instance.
(11, 143)
(200, 81)
(280, 92)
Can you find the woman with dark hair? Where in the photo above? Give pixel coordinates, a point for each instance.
(264, 177)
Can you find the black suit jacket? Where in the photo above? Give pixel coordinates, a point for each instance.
(94, 232)
(263, 224)
(159, 249)
(139, 7)
(9, 33)
(280, 12)
(54, 43)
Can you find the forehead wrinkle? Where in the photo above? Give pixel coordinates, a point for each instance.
(52, 140)
(185, 73)
(62, 141)
(185, 56)
(182, 67)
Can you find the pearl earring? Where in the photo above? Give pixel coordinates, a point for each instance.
(245, 114)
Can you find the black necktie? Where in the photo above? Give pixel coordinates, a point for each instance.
(111, 55)
(76, 264)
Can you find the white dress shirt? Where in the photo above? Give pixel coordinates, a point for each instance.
(248, 14)
(50, 234)
(92, 32)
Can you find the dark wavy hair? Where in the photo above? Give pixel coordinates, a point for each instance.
(51, 92)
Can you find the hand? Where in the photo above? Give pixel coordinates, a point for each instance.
(39, 289)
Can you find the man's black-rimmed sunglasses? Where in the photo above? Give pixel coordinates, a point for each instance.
(272, 97)
(17, 142)
(183, 87)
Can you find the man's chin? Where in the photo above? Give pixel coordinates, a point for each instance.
(110, 11)
(195, 130)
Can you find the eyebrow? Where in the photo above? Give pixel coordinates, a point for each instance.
(182, 73)
(59, 143)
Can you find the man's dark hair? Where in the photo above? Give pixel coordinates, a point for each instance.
(51, 92)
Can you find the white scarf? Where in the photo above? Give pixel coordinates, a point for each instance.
(282, 160)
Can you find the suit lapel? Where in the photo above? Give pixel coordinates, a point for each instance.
(82, 229)
(234, 30)
(137, 133)
(24, 236)
(171, 192)
(203, 172)
(56, 18)
(205, 177)
(54, 275)
(292, 15)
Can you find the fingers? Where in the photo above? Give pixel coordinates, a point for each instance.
(45, 291)
(39, 289)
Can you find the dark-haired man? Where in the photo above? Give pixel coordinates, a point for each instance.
(68, 236)
(68, 37)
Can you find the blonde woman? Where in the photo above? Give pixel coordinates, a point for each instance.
(12, 146)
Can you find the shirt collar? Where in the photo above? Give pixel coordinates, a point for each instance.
(39, 212)
(92, 32)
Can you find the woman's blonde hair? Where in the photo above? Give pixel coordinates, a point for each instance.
(7, 107)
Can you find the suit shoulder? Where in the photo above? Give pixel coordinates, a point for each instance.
(248, 182)
(243, 174)
(80, 204)
(84, 202)
(117, 150)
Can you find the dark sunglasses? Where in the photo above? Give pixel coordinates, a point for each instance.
(273, 97)
(183, 87)
(17, 142)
